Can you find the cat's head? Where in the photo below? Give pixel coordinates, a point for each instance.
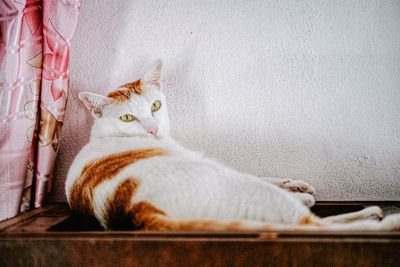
(134, 109)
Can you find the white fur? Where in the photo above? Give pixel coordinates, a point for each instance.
(182, 183)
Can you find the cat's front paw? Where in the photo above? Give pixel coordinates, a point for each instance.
(298, 186)
(373, 212)
(306, 199)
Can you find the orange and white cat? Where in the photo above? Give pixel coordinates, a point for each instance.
(133, 175)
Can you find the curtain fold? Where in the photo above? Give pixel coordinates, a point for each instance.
(35, 41)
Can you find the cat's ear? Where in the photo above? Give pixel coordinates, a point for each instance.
(152, 76)
(94, 103)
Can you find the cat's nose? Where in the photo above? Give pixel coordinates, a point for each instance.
(152, 130)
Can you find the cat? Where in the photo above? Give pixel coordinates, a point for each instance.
(133, 175)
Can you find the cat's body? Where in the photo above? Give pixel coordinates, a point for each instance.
(186, 185)
(133, 175)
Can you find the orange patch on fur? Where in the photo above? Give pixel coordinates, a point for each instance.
(134, 87)
(118, 209)
(147, 217)
(97, 171)
(199, 225)
(120, 95)
(126, 91)
(310, 220)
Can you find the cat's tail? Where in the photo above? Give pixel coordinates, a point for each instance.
(161, 222)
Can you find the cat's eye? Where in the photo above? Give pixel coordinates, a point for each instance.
(127, 117)
(156, 106)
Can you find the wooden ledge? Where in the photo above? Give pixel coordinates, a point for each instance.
(52, 236)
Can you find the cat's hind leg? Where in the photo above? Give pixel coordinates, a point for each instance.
(305, 198)
(160, 222)
(373, 212)
(146, 216)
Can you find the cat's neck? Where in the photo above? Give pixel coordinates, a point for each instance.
(101, 132)
(95, 136)
(122, 143)
(137, 142)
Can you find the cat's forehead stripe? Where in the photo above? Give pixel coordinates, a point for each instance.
(125, 91)
(134, 87)
(120, 95)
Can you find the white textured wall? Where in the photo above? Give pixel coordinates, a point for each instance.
(307, 89)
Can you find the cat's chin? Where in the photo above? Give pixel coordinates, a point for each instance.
(144, 135)
(147, 135)
(157, 136)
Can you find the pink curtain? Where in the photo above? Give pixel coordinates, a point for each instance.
(35, 41)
